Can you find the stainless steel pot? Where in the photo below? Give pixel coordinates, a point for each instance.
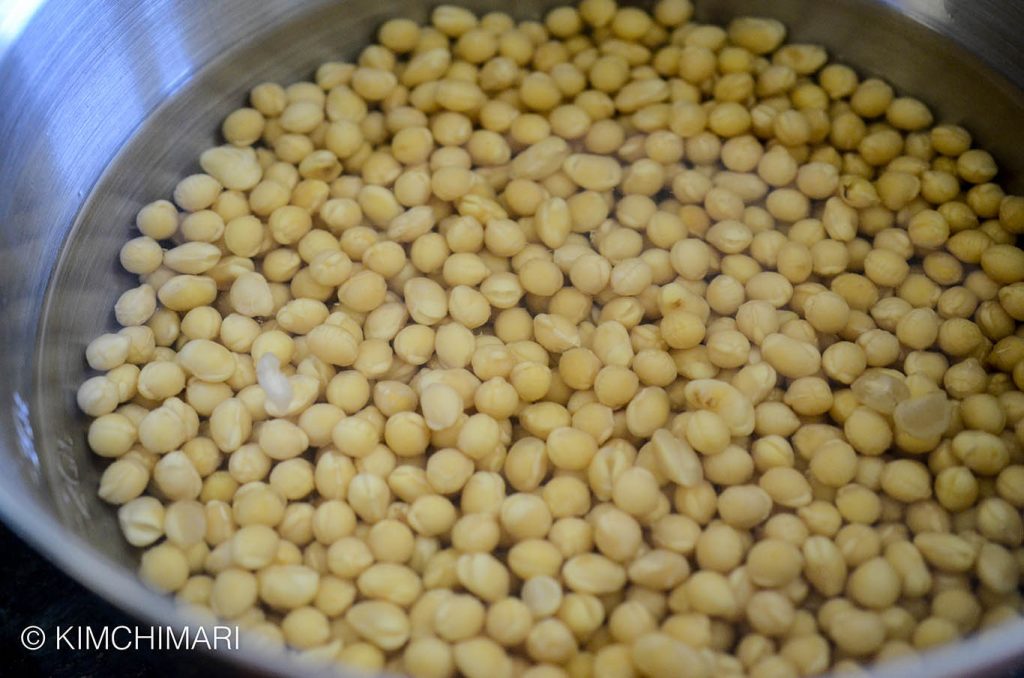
(106, 103)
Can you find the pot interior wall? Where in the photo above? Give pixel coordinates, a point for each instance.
(198, 62)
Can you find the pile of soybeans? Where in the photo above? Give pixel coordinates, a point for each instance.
(614, 344)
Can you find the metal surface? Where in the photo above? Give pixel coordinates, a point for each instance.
(83, 80)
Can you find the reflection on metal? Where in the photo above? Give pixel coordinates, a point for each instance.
(26, 440)
(14, 14)
(73, 496)
(85, 76)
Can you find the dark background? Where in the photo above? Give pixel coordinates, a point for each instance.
(34, 592)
